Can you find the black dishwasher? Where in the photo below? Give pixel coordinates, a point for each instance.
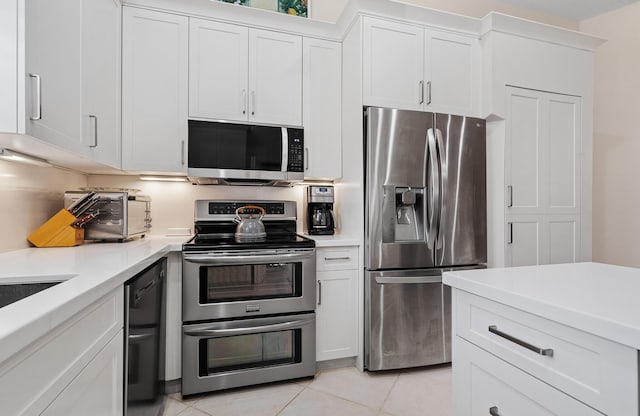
(144, 332)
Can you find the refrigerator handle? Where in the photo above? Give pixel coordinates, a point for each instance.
(434, 191)
(441, 196)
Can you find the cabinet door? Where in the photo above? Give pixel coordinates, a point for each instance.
(485, 385)
(451, 71)
(155, 90)
(53, 51)
(97, 390)
(101, 29)
(275, 78)
(218, 70)
(524, 240)
(322, 115)
(562, 239)
(393, 59)
(9, 75)
(336, 314)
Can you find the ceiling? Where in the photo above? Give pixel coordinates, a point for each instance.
(571, 9)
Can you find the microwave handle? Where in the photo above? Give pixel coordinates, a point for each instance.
(285, 149)
(216, 333)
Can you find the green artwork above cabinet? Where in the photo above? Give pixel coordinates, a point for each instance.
(292, 7)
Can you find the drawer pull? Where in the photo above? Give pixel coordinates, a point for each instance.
(493, 411)
(542, 351)
(336, 258)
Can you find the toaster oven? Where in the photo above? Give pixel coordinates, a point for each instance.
(119, 216)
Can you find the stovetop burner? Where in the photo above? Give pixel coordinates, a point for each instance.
(215, 229)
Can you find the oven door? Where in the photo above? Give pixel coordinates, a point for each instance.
(219, 285)
(221, 355)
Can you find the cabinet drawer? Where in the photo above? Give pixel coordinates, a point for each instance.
(486, 385)
(336, 258)
(598, 372)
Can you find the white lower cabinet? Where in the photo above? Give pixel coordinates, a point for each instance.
(337, 303)
(98, 389)
(75, 369)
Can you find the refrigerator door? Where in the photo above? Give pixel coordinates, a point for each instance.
(462, 217)
(399, 199)
(404, 322)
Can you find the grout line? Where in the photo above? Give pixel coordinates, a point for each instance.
(293, 398)
(381, 409)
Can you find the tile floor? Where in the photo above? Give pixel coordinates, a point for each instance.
(339, 392)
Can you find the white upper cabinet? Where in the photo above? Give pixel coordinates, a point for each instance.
(322, 115)
(72, 76)
(244, 74)
(275, 77)
(155, 91)
(10, 74)
(393, 65)
(412, 68)
(218, 70)
(452, 73)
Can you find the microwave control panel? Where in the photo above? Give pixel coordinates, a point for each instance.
(296, 150)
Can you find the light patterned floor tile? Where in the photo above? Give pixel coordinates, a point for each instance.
(424, 392)
(190, 411)
(266, 400)
(317, 403)
(368, 389)
(173, 407)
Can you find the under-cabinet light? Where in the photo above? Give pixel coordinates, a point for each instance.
(14, 156)
(164, 178)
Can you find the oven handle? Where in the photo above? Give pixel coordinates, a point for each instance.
(217, 333)
(217, 260)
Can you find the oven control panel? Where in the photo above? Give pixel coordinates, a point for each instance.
(229, 208)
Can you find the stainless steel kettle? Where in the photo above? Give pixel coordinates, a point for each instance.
(250, 226)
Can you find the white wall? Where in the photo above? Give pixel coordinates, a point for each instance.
(329, 10)
(29, 196)
(616, 152)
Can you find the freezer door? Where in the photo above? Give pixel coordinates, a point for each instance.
(462, 218)
(399, 199)
(405, 323)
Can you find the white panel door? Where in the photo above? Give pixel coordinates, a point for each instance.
(275, 78)
(393, 65)
(218, 70)
(336, 314)
(9, 66)
(322, 109)
(101, 68)
(155, 90)
(563, 154)
(524, 152)
(451, 72)
(524, 240)
(53, 31)
(97, 390)
(562, 237)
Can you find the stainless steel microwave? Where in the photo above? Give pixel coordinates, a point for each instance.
(241, 154)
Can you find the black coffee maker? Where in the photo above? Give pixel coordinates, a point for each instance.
(320, 219)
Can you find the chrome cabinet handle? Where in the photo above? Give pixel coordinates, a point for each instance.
(319, 293)
(306, 158)
(428, 92)
(253, 103)
(493, 411)
(510, 194)
(244, 102)
(510, 239)
(38, 104)
(336, 258)
(421, 91)
(182, 152)
(548, 352)
(95, 130)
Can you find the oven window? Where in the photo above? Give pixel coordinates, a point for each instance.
(234, 146)
(249, 351)
(250, 282)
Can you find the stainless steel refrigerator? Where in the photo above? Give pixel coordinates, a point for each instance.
(425, 199)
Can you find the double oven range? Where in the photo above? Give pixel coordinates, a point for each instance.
(247, 307)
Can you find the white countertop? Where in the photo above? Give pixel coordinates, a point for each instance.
(597, 298)
(90, 270)
(335, 240)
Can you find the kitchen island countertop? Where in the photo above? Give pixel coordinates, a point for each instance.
(597, 298)
(89, 271)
